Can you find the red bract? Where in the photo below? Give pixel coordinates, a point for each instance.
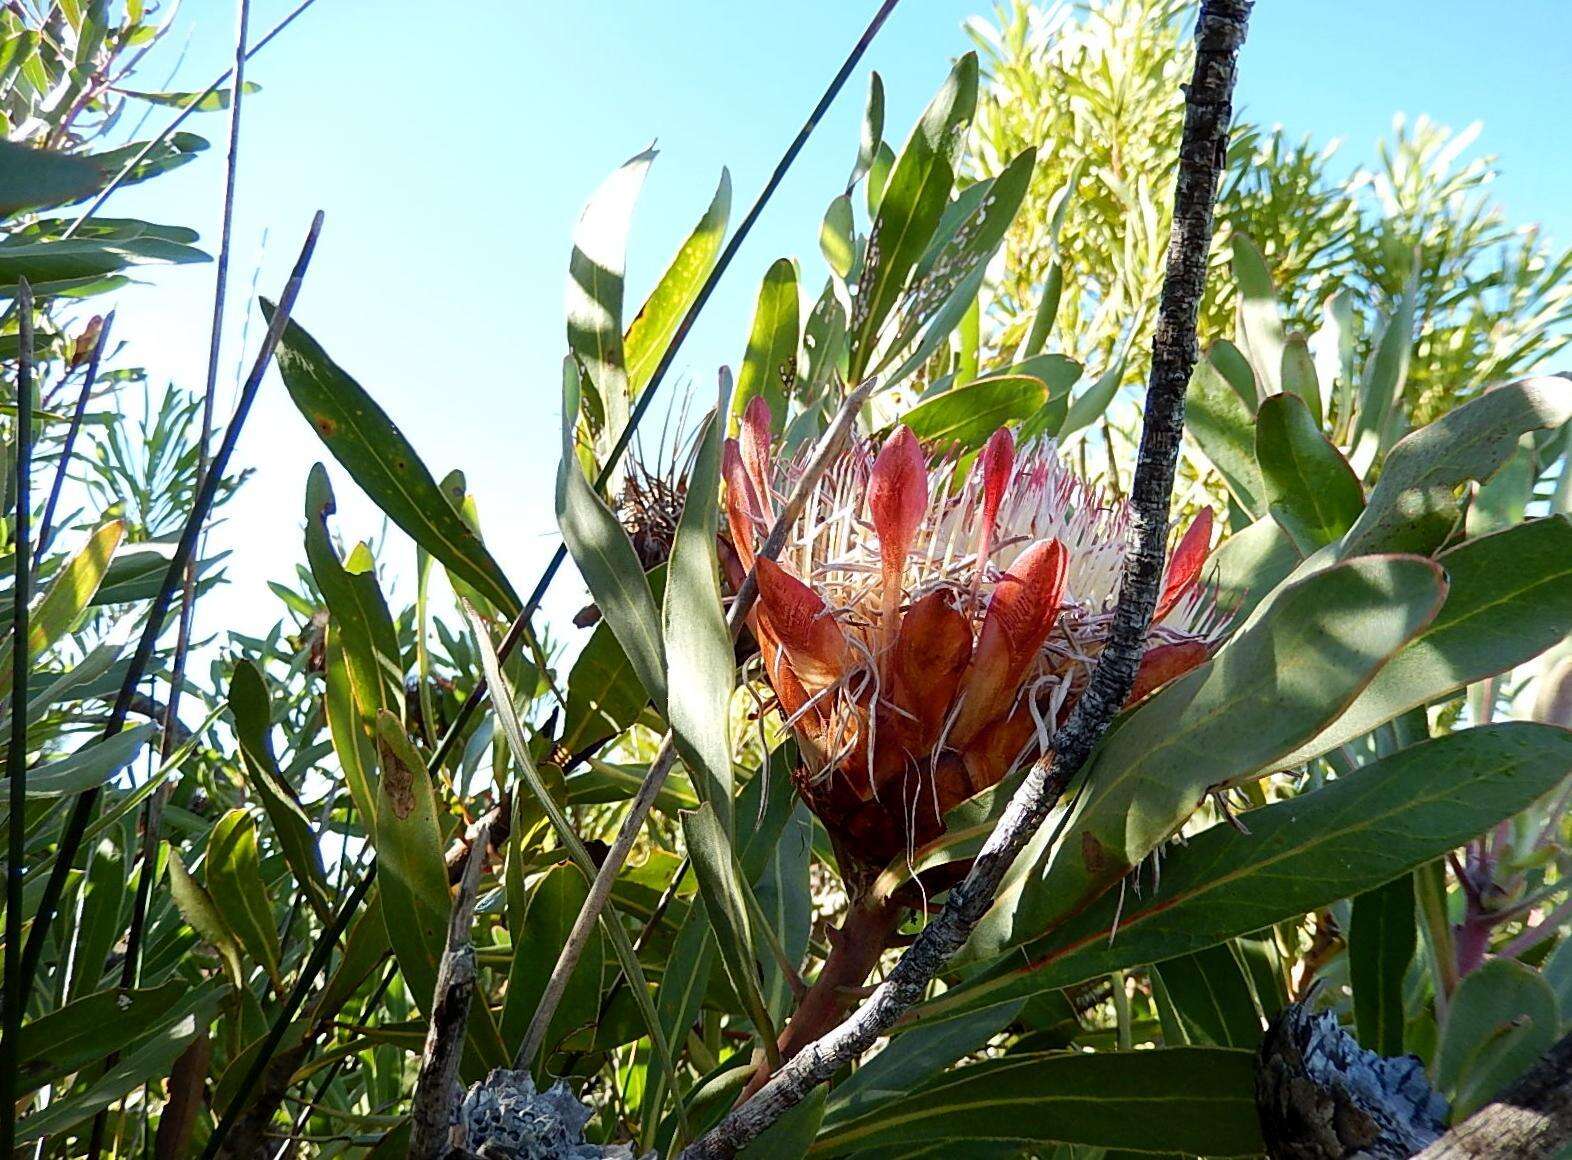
(925, 633)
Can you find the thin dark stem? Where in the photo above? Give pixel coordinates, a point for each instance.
(46, 525)
(16, 752)
(82, 811)
(516, 630)
(152, 812)
(179, 119)
(1220, 31)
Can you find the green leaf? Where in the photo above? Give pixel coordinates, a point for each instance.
(962, 419)
(606, 559)
(539, 930)
(1088, 407)
(785, 898)
(769, 366)
(69, 595)
(1224, 429)
(383, 463)
(1310, 652)
(1412, 506)
(682, 986)
(251, 707)
(1212, 995)
(910, 206)
(202, 914)
(36, 177)
(1248, 565)
(605, 695)
(872, 130)
(1299, 376)
(150, 1059)
(1260, 327)
(721, 888)
(1509, 598)
(103, 905)
(1502, 1018)
(1308, 486)
(1198, 1100)
(594, 298)
(945, 281)
(700, 658)
(1381, 942)
(87, 1030)
(212, 102)
(1297, 665)
(838, 237)
(1384, 378)
(652, 331)
(89, 767)
(233, 873)
(1350, 836)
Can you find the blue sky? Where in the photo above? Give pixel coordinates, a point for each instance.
(452, 146)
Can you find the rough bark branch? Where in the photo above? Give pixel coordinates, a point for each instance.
(828, 447)
(1531, 1118)
(1220, 31)
(431, 1111)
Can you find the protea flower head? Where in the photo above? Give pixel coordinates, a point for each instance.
(926, 630)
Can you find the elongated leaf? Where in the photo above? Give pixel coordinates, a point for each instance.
(605, 695)
(682, 986)
(36, 177)
(1381, 942)
(872, 130)
(910, 205)
(382, 461)
(1224, 429)
(89, 767)
(944, 283)
(539, 931)
(594, 298)
(962, 419)
(1353, 835)
(785, 898)
(85, 1031)
(838, 237)
(1278, 682)
(1412, 507)
(203, 915)
(606, 559)
(233, 873)
(1502, 1018)
(413, 883)
(1509, 598)
(1384, 378)
(251, 708)
(213, 102)
(1260, 327)
(769, 366)
(1197, 1100)
(1089, 406)
(721, 889)
(1212, 995)
(652, 330)
(68, 597)
(103, 905)
(1299, 376)
(1309, 487)
(148, 1060)
(701, 663)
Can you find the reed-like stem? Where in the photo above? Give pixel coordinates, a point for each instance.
(46, 524)
(15, 998)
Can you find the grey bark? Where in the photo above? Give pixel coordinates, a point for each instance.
(1220, 31)
(436, 1089)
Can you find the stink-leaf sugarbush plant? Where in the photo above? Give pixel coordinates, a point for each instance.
(659, 861)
